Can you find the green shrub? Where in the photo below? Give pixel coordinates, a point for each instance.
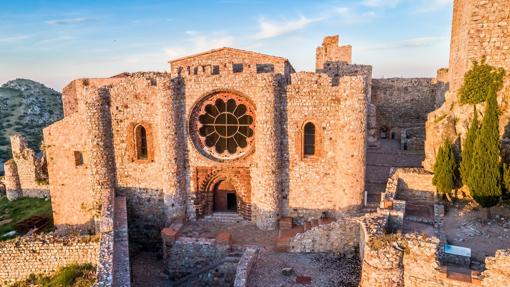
(479, 80)
(445, 169)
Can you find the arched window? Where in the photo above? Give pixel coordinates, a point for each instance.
(142, 151)
(309, 140)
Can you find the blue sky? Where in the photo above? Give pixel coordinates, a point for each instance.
(56, 41)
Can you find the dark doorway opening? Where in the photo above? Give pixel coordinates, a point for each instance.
(231, 202)
(225, 198)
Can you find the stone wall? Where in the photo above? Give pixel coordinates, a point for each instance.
(404, 103)
(245, 266)
(26, 173)
(326, 181)
(187, 255)
(273, 179)
(497, 273)
(72, 201)
(44, 254)
(340, 236)
(329, 51)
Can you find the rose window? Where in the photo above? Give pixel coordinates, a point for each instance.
(223, 126)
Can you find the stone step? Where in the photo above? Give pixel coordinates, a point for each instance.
(226, 217)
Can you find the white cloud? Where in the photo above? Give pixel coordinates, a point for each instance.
(55, 40)
(408, 43)
(12, 39)
(432, 5)
(380, 3)
(68, 21)
(271, 29)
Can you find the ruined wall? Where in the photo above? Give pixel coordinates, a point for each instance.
(74, 91)
(479, 28)
(329, 51)
(30, 169)
(44, 254)
(497, 273)
(405, 103)
(12, 184)
(72, 199)
(341, 236)
(332, 179)
(135, 101)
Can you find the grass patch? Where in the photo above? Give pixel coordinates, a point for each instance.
(14, 212)
(70, 276)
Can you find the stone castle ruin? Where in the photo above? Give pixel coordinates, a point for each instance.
(324, 161)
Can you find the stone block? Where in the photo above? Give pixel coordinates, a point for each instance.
(224, 238)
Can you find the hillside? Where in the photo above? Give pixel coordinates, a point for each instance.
(26, 107)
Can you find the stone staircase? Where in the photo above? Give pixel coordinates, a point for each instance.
(224, 217)
(379, 162)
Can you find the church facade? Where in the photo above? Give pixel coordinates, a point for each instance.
(227, 130)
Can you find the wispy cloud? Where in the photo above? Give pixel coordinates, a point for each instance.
(432, 5)
(13, 39)
(271, 29)
(408, 43)
(54, 41)
(380, 3)
(68, 21)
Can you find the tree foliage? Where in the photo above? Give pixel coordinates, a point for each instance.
(506, 177)
(485, 176)
(479, 80)
(445, 169)
(466, 163)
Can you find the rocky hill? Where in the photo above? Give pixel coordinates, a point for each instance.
(26, 107)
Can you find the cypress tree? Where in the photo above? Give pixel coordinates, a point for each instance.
(467, 149)
(485, 176)
(445, 169)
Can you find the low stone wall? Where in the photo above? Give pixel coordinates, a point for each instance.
(341, 236)
(186, 255)
(497, 273)
(245, 266)
(44, 254)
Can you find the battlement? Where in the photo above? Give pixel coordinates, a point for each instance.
(229, 61)
(330, 51)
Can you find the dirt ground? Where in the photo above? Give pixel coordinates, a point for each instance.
(466, 225)
(325, 270)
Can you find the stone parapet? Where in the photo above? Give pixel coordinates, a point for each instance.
(44, 254)
(245, 266)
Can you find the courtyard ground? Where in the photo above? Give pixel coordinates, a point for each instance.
(17, 215)
(322, 269)
(466, 225)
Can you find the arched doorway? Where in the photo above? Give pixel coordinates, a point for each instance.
(225, 197)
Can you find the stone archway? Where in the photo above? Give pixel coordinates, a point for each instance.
(215, 185)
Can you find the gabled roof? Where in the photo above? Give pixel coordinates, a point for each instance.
(227, 50)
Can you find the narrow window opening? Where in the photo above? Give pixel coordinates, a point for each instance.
(309, 140)
(141, 142)
(215, 70)
(237, 68)
(78, 158)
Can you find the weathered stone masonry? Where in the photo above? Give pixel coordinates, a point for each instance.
(178, 178)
